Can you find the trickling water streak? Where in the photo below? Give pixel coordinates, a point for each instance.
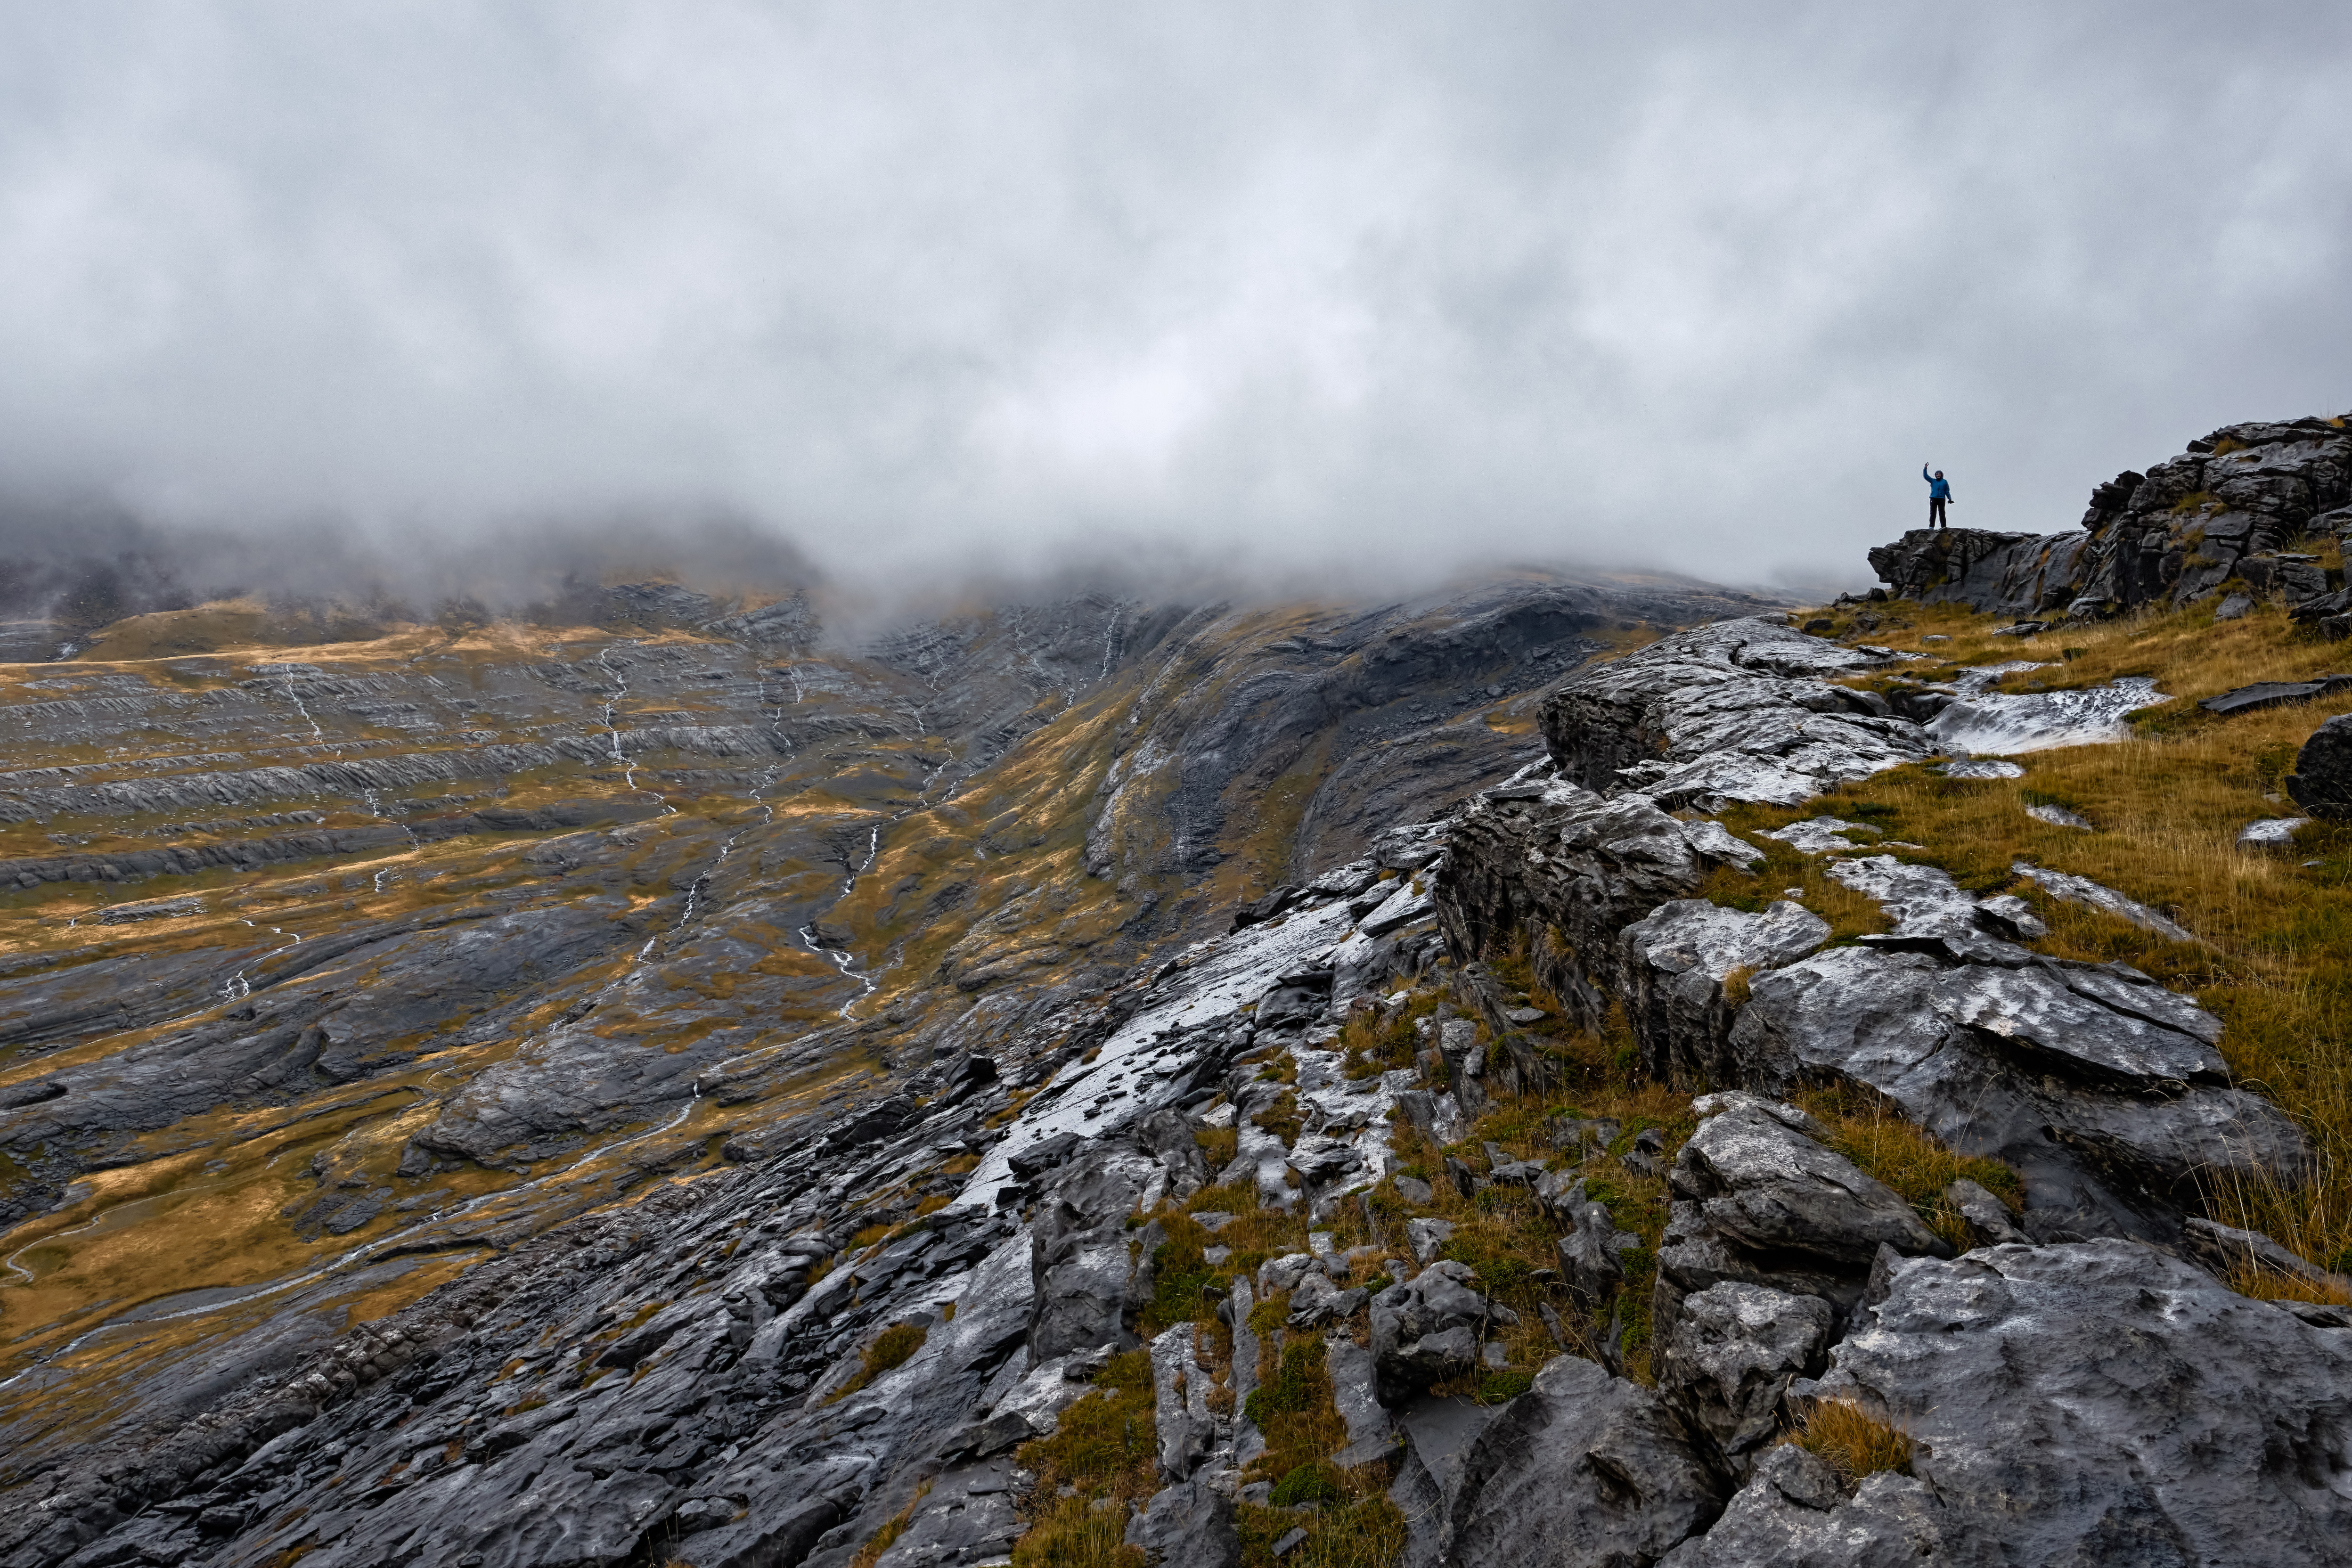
(375, 808)
(296, 698)
(1111, 631)
(612, 731)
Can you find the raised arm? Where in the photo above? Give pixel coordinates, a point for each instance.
(1923, 473)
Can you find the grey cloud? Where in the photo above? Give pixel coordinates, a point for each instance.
(1337, 290)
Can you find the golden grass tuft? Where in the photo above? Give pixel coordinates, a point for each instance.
(1908, 1158)
(1851, 1440)
(1104, 1450)
(888, 1536)
(891, 1349)
(1074, 1533)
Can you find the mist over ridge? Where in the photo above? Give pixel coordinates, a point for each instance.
(1340, 294)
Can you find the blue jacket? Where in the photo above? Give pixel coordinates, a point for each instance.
(1937, 489)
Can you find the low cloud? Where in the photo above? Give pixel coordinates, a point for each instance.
(1338, 295)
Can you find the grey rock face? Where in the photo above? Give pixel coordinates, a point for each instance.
(1180, 1403)
(1570, 861)
(1793, 1514)
(1087, 1284)
(1426, 1328)
(1734, 1350)
(1734, 711)
(1187, 1526)
(1583, 1468)
(2322, 781)
(1675, 965)
(2273, 694)
(1760, 1180)
(1436, 1438)
(2102, 1402)
(1759, 1200)
(1995, 1057)
(1988, 1216)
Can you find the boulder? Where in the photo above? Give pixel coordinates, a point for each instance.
(1187, 1526)
(1759, 1179)
(2101, 1401)
(1583, 1470)
(1988, 1218)
(1180, 1402)
(1426, 1328)
(1675, 965)
(1758, 1200)
(1427, 1237)
(2322, 781)
(1318, 1301)
(1793, 1513)
(1434, 1439)
(1733, 1353)
(2103, 1090)
(1355, 1394)
(2264, 694)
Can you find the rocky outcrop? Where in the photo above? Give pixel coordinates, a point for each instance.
(2220, 511)
(1596, 1469)
(1564, 861)
(1758, 1200)
(1428, 1329)
(1677, 963)
(2097, 1398)
(2103, 1088)
(1734, 1350)
(1738, 711)
(2322, 781)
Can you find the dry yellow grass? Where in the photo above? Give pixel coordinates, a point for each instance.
(890, 1350)
(888, 1536)
(2167, 805)
(1851, 1440)
(1908, 1158)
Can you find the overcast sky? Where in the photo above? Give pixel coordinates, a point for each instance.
(1374, 289)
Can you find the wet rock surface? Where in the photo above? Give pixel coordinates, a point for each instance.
(1738, 711)
(2096, 1392)
(1582, 1469)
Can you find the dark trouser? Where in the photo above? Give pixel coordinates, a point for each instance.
(1936, 512)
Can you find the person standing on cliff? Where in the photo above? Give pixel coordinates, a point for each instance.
(1939, 495)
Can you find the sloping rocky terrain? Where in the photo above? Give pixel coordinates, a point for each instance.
(1481, 1079)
